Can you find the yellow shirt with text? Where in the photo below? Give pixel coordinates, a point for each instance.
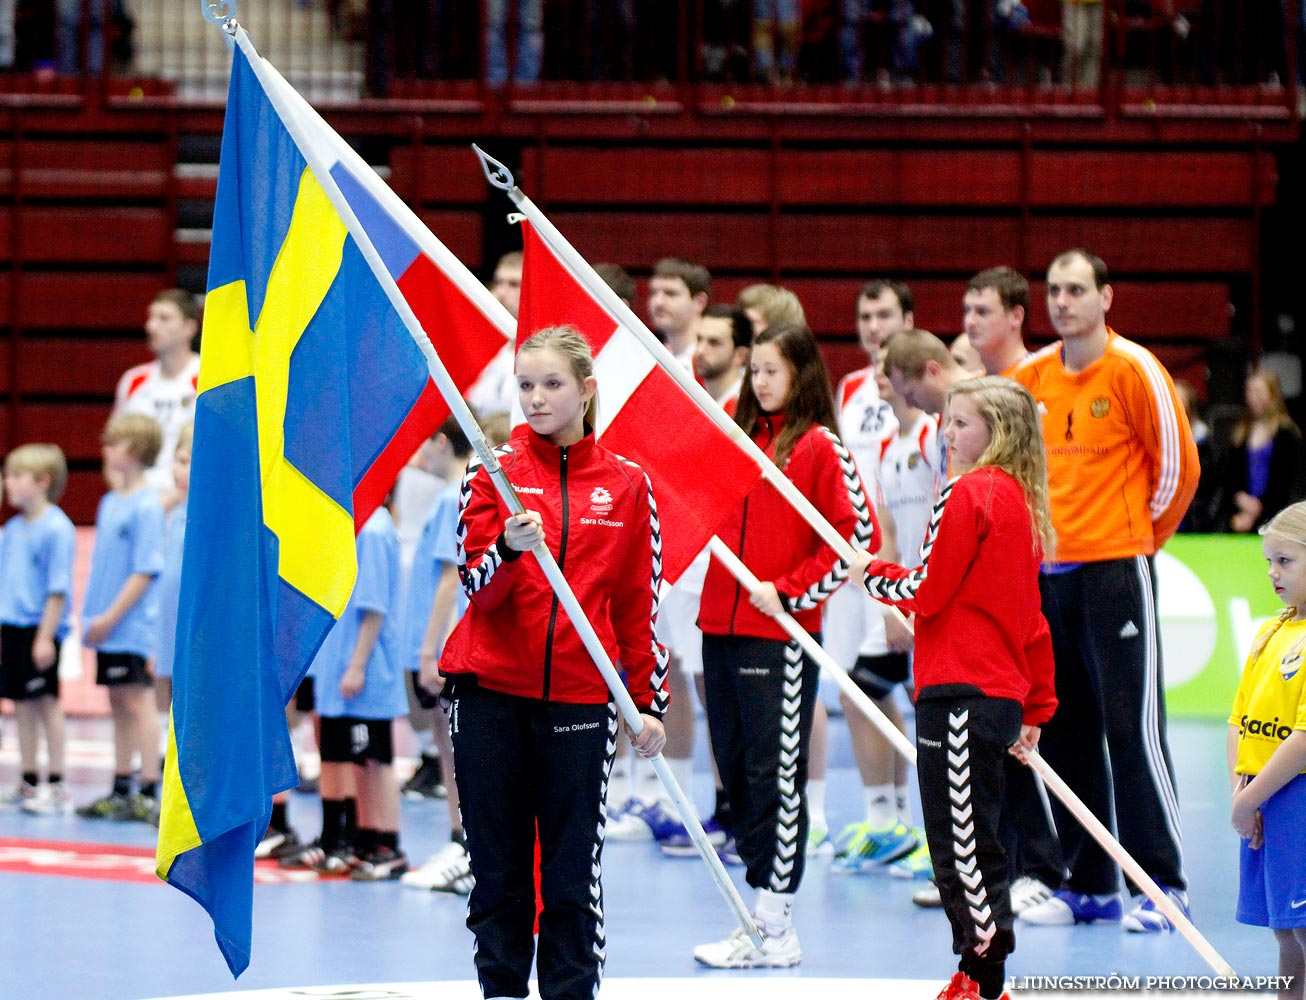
(1268, 706)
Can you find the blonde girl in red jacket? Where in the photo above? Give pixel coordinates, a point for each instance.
(761, 690)
(533, 724)
(983, 665)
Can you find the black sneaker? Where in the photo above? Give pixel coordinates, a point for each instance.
(278, 844)
(304, 856)
(115, 807)
(383, 865)
(426, 781)
(338, 861)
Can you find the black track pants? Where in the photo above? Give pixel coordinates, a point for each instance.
(523, 762)
(962, 739)
(760, 697)
(1108, 737)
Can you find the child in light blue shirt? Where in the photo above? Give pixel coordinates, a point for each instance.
(36, 575)
(120, 613)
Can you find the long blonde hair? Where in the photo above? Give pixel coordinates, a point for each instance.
(569, 344)
(1016, 444)
(1290, 525)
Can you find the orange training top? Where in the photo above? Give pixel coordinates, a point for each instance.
(1122, 465)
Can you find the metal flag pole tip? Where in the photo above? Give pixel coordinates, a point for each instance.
(220, 12)
(495, 172)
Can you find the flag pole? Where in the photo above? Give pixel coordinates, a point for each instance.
(822, 658)
(463, 415)
(500, 177)
(1062, 791)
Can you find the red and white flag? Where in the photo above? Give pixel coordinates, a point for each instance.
(699, 475)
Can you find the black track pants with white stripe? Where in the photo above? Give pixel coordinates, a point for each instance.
(520, 761)
(1108, 737)
(761, 694)
(962, 738)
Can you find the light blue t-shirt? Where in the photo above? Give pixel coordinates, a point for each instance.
(36, 562)
(168, 587)
(376, 589)
(436, 549)
(128, 540)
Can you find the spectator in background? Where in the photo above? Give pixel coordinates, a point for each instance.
(1262, 471)
(84, 20)
(8, 46)
(777, 37)
(526, 27)
(1081, 40)
(1201, 514)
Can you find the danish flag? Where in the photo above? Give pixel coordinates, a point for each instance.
(699, 475)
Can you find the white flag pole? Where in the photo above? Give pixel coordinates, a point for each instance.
(823, 659)
(1059, 788)
(1131, 867)
(276, 89)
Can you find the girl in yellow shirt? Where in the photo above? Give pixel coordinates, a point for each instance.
(1267, 754)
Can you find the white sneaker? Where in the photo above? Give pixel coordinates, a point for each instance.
(447, 865)
(778, 951)
(1028, 891)
(19, 797)
(51, 800)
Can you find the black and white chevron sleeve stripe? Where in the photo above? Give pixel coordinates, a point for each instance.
(861, 536)
(475, 577)
(906, 588)
(658, 681)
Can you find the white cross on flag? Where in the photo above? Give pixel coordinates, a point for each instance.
(699, 475)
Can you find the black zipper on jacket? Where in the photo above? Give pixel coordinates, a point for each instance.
(562, 557)
(743, 528)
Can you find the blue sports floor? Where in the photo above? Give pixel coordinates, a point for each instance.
(74, 937)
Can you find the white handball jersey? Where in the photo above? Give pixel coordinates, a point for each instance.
(170, 401)
(865, 423)
(852, 622)
(909, 483)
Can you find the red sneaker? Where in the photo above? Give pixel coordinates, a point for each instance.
(962, 987)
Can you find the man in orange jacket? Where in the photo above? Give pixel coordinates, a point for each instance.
(1122, 469)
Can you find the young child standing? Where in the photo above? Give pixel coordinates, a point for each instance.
(121, 613)
(983, 665)
(432, 607)
(36, 572)
(1267, 756)
(169, 588)
(359, 691)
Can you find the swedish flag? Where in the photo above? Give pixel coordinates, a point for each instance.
(310, 388)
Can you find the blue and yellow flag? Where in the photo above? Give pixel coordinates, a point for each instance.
(311, 393)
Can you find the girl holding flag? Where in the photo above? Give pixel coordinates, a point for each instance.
(761, 690)
(533, 725)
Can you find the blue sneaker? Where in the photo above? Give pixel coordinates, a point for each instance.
(819, 844)
(729, 854)
(1066, 908)
(917, 864)
(1145, 918)
(867, 847)
(645, 821)
(680, 845)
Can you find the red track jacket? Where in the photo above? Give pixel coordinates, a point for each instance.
(601, 526)
(778, 545)
(976, 598)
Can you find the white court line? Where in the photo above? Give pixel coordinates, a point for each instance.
(708, 985)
